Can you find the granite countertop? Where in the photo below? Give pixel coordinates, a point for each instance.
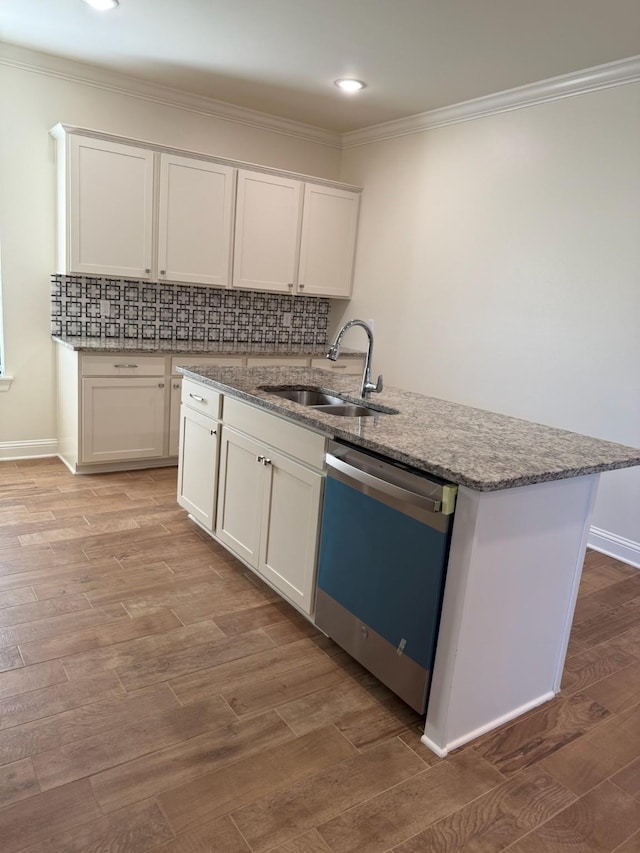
(175, 347)
(471, 447)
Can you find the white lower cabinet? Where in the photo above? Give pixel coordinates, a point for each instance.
(175, 393)
(289, 528)
(197, 465)
(174, 415)
(269, 503)
(240, 495)
(121, 410)
(122, 418)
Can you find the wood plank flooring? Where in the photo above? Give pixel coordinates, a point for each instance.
(155, 696)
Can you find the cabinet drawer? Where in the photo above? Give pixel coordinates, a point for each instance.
(201, 398)
(209, 360)
(297, 441)
(122, 364)
(345, 366)
(280, 361)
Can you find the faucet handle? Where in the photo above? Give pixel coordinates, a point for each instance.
(369, 386)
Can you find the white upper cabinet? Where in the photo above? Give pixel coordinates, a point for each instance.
(109, 210)
(329, 224)
(267, 234)
(294, 237)
(195, 220)
(131, 210)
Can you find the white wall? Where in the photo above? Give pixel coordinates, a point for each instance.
(500, 259)
(31, 104)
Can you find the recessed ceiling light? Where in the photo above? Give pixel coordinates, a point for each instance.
(348, 84)
(102, 5)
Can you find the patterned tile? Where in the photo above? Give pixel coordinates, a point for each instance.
(140, 311)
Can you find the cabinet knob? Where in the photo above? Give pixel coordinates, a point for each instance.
(213, 432)
(160, 384)
(266, 461)
(163, 272)
(176, 385)
(290, 284)
(148, 271)
(301, 287)
(260, 459)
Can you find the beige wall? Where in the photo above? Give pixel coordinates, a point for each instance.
(500, 259)
(31, 104)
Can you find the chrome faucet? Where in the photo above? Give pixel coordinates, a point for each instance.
(334, 352)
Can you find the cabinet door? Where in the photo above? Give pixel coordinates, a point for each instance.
(122, 419)
(110, 208)
(267, 232)
(174, 416)
(195, 219)
(197, 466)
(289, 534)
(329, 224)
(240, 493)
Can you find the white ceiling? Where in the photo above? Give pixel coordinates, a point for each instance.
(281, 56)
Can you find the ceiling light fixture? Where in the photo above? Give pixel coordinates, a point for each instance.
(348, 84)
(102, 5)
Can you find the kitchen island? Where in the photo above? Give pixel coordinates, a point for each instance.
(525, 498)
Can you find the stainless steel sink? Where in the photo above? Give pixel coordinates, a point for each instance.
(325, 402)
(350, 410)
(304, 396)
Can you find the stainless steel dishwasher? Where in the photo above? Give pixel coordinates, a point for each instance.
(383, 553)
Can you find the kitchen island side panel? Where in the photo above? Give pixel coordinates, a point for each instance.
(514, 569)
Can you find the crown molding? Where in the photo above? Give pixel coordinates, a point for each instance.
(112, 81)
(593, 79)
(606, 76)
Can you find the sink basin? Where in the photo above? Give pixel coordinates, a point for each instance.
(304, 396)
(349, 410)
(325, 402)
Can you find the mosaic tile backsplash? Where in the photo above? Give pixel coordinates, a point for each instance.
(148, 311)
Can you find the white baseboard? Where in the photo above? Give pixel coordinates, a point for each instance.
(28, 449)
(443, 751)
(625, 550)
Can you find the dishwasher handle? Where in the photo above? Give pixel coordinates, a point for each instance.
(397, 492)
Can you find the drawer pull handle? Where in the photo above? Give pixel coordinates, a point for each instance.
(129, 366)
(338, 367)
(197, 398)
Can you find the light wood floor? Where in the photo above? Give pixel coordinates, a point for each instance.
(155, 697)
